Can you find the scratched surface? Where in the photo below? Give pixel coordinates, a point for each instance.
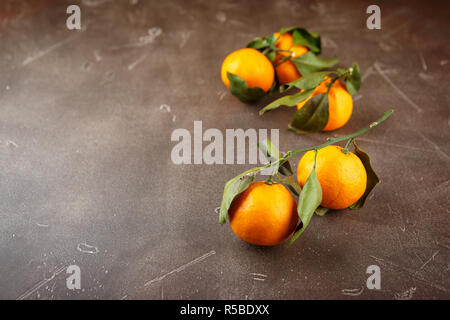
(86, 177)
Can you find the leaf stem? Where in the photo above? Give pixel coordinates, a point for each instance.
(345, 150)
(292, 153)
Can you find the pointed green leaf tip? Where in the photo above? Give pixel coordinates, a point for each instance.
(308, 63)
(372, 177)
(240, 89)
(312, 117)
(271, 152)
(353, 82)
(309, 200)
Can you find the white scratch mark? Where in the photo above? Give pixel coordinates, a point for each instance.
(11, 144)
(394, 144)
(221, 17)
(94, 3)
(108, 77)
(259, 279)
(86, 248)
(149, 38)
(222, 95)
(426, 76)
(259, 275)
(412, 273)
(42, 53)
(151, 35)
(135, 63)
(429, 260)
(185, 35)
(386, 47)
(124, 297)
(42, 225)
(401, 217)
(353, 292)
(422, 60)
(320, 8)
(392, 84)
(174, 118)
(394, 31)
(41, 283)
(98, 57)
(165, 107)
(357, 97)
(217, 210)
(406, 295)
(434, 145)
(367, 73)
(329, 43)
(443, 62)
(183, 267)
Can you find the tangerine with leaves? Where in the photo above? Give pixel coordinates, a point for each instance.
(340, 103)
(251, 66)
(264, 214)
(286, 70)
(341, 175)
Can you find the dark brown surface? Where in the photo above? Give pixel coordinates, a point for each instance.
(85, 152)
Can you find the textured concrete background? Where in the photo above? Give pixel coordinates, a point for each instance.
(85, 170)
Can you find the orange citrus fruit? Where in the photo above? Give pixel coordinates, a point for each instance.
(340, 104)
(251, 66)
(284, 41)
(287, 71)
(264, 214)
(342, 177)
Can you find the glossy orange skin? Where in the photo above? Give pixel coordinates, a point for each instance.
(287, 71)
(251, 66)
(342, 177)
(284, 41)
(264, 215)
(340, 104)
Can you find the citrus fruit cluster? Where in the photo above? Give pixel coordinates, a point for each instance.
(286, 60)
(328, 177)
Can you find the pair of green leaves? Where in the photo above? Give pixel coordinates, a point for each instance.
(352, 77)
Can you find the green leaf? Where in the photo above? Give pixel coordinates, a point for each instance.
(233, 188)
(262, 43)
(313, 117)
(353, 82)
(289, 101)
(271, 55)
(320, 211)
(310, 199)
(240, 89)
(372, 178)
(308, 63)
(291, 184)
(303, 37)
(272, 154)
(309, 81)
